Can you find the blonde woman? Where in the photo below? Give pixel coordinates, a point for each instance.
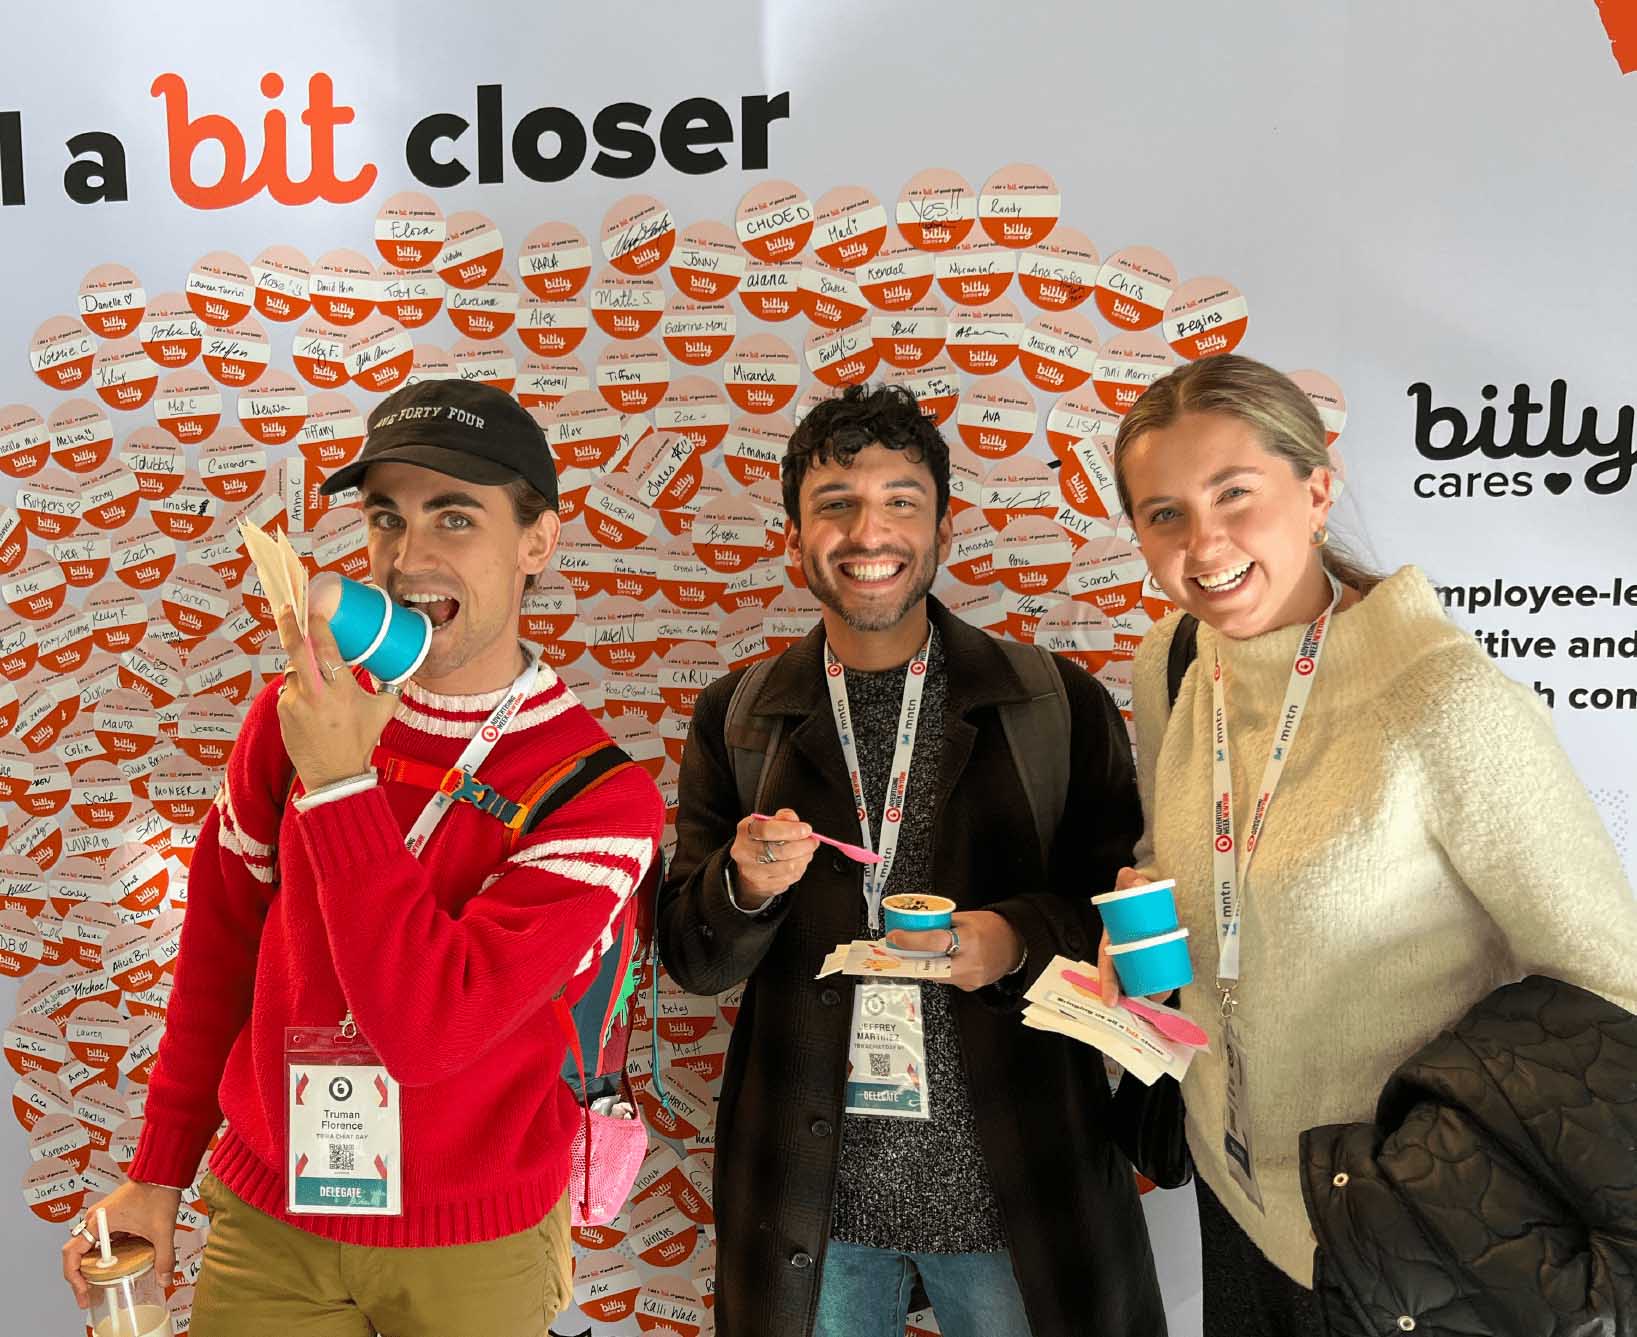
(1422, 838)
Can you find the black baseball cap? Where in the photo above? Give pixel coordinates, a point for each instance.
(465, 429)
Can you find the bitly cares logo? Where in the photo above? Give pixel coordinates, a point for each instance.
(1444, 433)
(239, 181)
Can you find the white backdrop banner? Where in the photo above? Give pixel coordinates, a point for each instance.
(669, 230)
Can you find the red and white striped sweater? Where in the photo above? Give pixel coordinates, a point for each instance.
(447, 964)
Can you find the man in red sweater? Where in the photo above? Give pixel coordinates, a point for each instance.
(439, 1207)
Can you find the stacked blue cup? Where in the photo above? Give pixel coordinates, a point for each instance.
(369, 629)
(1150, 952)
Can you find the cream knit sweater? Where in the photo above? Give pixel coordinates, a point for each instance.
(1428, 843)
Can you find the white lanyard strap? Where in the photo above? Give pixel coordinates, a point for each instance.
(892, 815)
(475, 754)
(1231, 867)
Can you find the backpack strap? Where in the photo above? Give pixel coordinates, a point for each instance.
(1184, 649)
(751, 738)
(1037, 731)
(567, 780)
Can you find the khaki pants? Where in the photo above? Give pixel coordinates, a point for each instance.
(262, 1278)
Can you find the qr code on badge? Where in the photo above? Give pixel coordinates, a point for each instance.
(880, 1065)
(341, 1158)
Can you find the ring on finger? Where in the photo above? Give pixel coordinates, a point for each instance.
(767, 855)
(82, 1229)
(954, 941)
(329, 671)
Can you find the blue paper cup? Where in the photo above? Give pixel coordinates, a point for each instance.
(369, 629)
(1153, 965)
(917, 910)
(1139, 912)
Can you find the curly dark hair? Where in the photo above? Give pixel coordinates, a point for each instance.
(837, 429)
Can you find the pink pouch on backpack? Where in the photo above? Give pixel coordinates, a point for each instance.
(608, 1149)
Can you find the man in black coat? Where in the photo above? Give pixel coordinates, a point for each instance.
(993, 1177)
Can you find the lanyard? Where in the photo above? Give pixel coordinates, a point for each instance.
(892, 816)
(1231, 872)
(475, 754)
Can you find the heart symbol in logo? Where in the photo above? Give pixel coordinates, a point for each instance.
(1557, 484)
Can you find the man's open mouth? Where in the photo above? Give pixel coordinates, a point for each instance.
(439, 608)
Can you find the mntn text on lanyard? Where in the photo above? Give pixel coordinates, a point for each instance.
(892, 815)
(1229, 866)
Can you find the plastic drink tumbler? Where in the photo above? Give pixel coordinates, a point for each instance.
(126, 1300)
(386, 638)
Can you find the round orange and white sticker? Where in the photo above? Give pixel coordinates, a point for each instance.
(217, 666)
(341, 544)
(13, 539)
(552, 328)
(207, 730)
(972, 548)
(154, 671)
(1016, 487)
(233, 466)
(555, 261)
(586, 563)
(997, 418)
(1086, 477)
(774, 221)
(61, 353)
(343, 287)
(171, 334)
(1058, 352)
(1019, 205)
(842, 357)
(83, 558)
(728, 534)
(281, 275)
(1108, 572)
(493, 363)
(707, 264)
(156, 460)
(238, 354)
(195, 600)
(542, 381)
(82, 437)
(684, 579)
(472, 252)
(125, 720)
(319, 352)
(912, 337)
(897, 278)
(379, 354)
(410, 230)
(123, 375)
(144, 560)
(274, 411)
(975, 273)
(1059, 273)
(638, 234)
(119, 620)
(626, 306)
(431, 363)
(616, 515)
(1032, 555)
(485, 312)
(936, 209)
(966, 471)
(220, 289)
(49, 505)
(1076, 416)
(634, 376)
(696, 407)
(582, 431)
(1133, 287)
(1128, 365)
(986, 339)
(829, 297)
(111, 301)
(333, 433)
(698, 333)
(1204, 317)
(936, 387)
(620, 633)
(412, 298)
(761, 374)
(549, 608)
(1326, 396)
(187, 514)
(849, 226)
(666, 470)
(25, 445)
(771, 290)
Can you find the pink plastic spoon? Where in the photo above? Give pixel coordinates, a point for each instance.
(857, 853)
(1172, 1025)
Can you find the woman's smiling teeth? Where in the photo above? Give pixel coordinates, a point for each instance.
(1220, 582)
(871, 573)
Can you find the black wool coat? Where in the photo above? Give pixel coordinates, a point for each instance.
(1079, 1244)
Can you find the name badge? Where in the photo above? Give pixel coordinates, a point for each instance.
(1236, 1142)
(886, 1061)
(343, 1149)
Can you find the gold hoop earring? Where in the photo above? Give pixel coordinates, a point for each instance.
(1321, 536)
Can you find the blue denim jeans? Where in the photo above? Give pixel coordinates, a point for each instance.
(865, 1293)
